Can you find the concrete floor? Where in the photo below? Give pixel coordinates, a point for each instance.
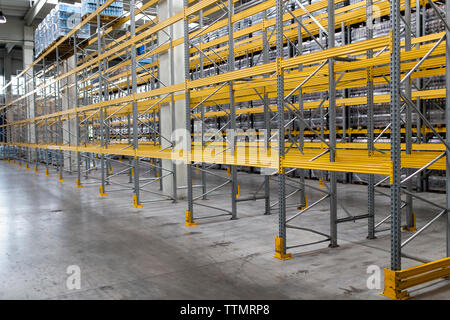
(148, 253)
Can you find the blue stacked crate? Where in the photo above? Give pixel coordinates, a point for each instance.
(85, 31)
(114, 10)
(65, 17)
(37, 42)
(140, 51)
(40, 39)
(62, 16)
(61, 20)
(47, 31)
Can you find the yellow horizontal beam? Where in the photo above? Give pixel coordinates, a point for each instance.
(347, 160)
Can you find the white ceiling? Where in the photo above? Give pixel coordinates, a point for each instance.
(19, 8)
(15, 8)
(20, 13)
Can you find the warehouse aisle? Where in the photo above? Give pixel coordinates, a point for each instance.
(125, 253)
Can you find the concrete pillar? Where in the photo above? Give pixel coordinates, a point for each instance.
(28, 57)
(8, 73)
(8, 92)
(179, 110)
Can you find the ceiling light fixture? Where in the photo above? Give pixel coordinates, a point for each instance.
(2, 18)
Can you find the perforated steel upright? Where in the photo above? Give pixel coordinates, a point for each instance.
(332, 126)
(134, 103)
(190, 209)
(395, 137)
(234, 182)
(447, 122)
(281, 133)
(370, 126)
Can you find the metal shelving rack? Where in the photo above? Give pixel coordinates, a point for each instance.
(268, 85)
